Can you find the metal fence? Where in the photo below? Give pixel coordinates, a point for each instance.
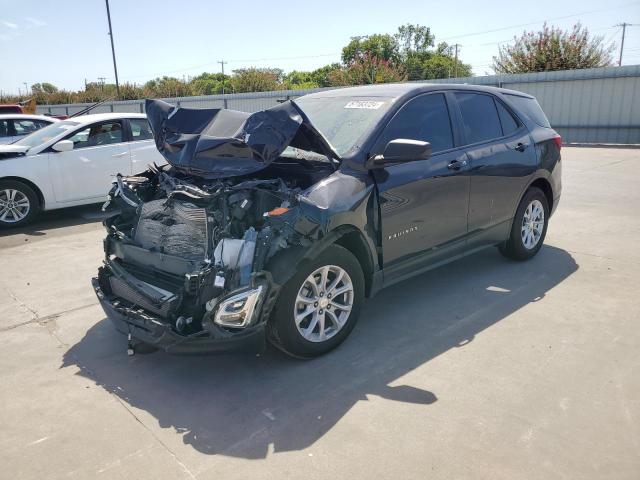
(596, 105)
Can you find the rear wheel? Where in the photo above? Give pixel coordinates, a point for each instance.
(529, 226)
(19, 204)
(319, 306)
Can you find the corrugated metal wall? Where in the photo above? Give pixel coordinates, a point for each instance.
(598, 105)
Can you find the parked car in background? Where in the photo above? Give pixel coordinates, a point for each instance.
(71, 162)
(15, 126)
(16, 108)
(278, 224)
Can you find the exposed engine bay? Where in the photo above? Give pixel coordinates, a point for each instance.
(179, 244)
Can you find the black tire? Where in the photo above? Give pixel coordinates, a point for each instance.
(26, 191)
(283, 332)
(514, 248)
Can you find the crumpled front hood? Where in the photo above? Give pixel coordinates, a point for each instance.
(218, 143)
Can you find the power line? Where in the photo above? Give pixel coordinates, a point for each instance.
(499, 42)
(501, 29)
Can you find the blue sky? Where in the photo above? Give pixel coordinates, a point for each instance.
(64, 42)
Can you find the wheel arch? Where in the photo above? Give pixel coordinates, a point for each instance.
(353, 240)
(30, 184)
(544, 185)
(346, 236)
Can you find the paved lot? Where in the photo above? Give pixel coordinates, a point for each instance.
(482, 369)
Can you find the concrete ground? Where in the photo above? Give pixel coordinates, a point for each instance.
(485, 368)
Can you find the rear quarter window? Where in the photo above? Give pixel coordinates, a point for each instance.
(531, 108)
(509, 124)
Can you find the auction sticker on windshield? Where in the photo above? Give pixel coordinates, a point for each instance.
(366, 104)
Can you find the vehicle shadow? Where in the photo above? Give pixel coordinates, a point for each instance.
(55, 219)
(239, 405)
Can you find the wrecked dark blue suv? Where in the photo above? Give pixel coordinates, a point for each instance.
(276, 225)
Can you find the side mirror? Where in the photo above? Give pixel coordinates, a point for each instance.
(63, 146)
(402, 150)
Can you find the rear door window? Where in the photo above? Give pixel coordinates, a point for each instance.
(480, 117)
(424, 118)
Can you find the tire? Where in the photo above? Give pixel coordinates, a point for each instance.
(19, 204)
(516, 247)
(284, 332)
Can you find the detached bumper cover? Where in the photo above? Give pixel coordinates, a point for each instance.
(147, 329)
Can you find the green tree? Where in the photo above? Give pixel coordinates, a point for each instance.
(44, 87)
(409, 52)
(414, 39)
(553, 49)
(380, 46)
(322, 75)
(367, 70)
(443, 64)
(167, 87)
(257, 79)
(210, 83)
(297, 80)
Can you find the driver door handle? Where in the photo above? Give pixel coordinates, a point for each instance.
(118, 155)
(457, 165)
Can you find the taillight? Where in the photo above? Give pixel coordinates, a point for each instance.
(558, 141)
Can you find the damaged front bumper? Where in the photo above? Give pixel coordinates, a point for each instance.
(148, 328)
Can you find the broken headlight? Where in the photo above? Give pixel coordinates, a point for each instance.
(237, 311)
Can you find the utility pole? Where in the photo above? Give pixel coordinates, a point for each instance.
(455, 64)
(222, 62)
(113, 50)
(624, 26)
(26, 88)
(102, 79)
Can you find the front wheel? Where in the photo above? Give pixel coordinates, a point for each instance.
(18, 204)
(529, 226)
(319, 306)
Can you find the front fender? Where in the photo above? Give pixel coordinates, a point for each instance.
(340, 206)
(30, 169)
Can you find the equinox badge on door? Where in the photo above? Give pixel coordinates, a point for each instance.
(402, 232)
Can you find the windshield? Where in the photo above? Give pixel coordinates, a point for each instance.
(343, 120)
(45, 134)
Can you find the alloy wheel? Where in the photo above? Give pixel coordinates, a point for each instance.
(14, 205)
(323, 303)
(532, 224)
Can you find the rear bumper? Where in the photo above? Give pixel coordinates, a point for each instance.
(152, 331)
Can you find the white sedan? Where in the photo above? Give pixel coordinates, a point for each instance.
(14, 126)
(72, 162)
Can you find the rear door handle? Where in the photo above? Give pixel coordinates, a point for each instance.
(521, 147)
(457, 165)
